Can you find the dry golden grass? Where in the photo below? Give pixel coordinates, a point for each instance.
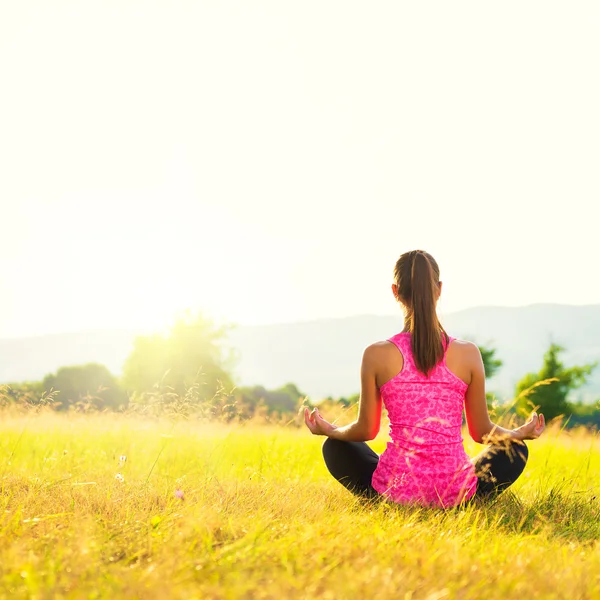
(261, 518)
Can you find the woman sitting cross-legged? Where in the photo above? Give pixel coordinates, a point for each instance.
(424, 378)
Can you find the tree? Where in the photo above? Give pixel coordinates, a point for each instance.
(285, 400)
(490, 362)
(347, 402)
(551, 397)
(192, 354)
(85, 385)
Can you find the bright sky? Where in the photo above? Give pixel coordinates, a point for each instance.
(269, 161)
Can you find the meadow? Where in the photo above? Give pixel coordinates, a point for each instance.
(122, 506)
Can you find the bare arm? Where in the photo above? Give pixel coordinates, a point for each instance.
(366, 426)
(481, 428)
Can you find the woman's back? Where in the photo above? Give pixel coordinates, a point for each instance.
(425, 379)
(425, 461)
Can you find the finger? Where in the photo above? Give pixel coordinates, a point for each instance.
(307, 421)
(310, 420)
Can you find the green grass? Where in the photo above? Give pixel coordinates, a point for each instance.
(262, 518)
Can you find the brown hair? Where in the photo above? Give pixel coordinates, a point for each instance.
(417, 276)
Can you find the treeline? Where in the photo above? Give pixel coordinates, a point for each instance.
(190, 371)
(546, 391)
(187, 372)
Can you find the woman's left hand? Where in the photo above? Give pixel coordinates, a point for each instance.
(533, 428)
(317, 424)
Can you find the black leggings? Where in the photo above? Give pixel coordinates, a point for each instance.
(353, 465)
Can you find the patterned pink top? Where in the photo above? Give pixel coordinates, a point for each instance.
(425, 463)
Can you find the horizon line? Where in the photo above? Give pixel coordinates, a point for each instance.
(234, 325)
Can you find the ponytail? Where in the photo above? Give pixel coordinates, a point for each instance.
(417, 278)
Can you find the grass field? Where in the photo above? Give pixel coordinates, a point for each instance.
(209, 511)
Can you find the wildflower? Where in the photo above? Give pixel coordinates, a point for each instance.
(119, 477)
(179, 494)
(122, 459)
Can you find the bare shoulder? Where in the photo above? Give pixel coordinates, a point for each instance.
(380, 353)
(462, 359)
(378, 350)
(465, 351)
(383, 361)
(464, 346)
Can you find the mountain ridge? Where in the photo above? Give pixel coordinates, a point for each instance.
(322, 356)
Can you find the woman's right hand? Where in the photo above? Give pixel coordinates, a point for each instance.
(533, 428)
(317, 424)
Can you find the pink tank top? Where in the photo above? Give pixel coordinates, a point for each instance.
(425, 462)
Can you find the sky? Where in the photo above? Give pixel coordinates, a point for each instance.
(269, 161)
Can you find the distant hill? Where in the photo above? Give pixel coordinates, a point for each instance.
(322, 357)
(32, 358)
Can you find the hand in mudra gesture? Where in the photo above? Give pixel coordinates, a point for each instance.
(533, 428)
(316, 423)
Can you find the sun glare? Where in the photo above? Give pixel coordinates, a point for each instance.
(230, 278)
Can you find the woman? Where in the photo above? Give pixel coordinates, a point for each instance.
(424, 378)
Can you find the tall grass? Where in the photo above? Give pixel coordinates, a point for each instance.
(214, 511)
